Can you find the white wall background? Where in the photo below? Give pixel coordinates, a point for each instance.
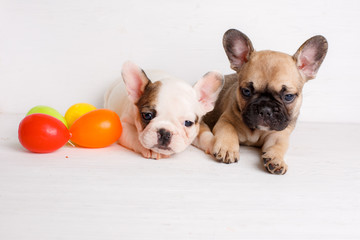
(61, 52)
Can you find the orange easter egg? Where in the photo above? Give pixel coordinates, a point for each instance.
(96, 129)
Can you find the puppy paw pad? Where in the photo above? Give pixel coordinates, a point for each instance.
(272, 166)
(276, 167)
(266, 160)
(280, 171)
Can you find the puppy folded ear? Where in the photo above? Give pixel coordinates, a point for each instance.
(310, 55)
(135, 80)
(207, 90)
(238, 48)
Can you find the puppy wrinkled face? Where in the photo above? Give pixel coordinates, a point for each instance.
(168, 116)
(270, 93)
(266, 110)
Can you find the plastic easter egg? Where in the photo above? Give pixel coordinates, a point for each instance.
(42, 133)
(96, 129)
(76, 111)
(49, 111)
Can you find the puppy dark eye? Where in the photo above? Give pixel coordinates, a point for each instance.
(246, 92)
(289, 98)
(188, 123)
(147, 116)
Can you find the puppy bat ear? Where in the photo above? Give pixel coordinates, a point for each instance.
(135, 80)
(310, 55)
(238, 48)
(207, 90)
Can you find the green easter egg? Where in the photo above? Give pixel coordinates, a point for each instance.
(48, 111)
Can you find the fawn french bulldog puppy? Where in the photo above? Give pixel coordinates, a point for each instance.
(160, 114)
(260, 103)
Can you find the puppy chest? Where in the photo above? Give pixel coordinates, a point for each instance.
(254, 138)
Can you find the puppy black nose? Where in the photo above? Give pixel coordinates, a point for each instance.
(164, 137)
(266, 112)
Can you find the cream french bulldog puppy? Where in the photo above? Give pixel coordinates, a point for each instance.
(260, 103)
(160, 114)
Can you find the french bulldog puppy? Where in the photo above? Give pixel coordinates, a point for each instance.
(160, 114)
(260, 103)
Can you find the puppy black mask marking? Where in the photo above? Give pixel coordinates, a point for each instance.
(263, 110)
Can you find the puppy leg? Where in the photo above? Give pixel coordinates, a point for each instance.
(130, 140)
(274, 150)
(226, 147)
(205, 139)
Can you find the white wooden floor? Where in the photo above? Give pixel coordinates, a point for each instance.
(112, 193)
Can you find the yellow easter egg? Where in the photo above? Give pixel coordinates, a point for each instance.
(76, 111)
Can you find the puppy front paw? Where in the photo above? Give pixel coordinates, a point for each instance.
(274, 165)
(225, 151)
(147, 153)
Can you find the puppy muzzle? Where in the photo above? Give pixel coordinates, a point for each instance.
(266, 115)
